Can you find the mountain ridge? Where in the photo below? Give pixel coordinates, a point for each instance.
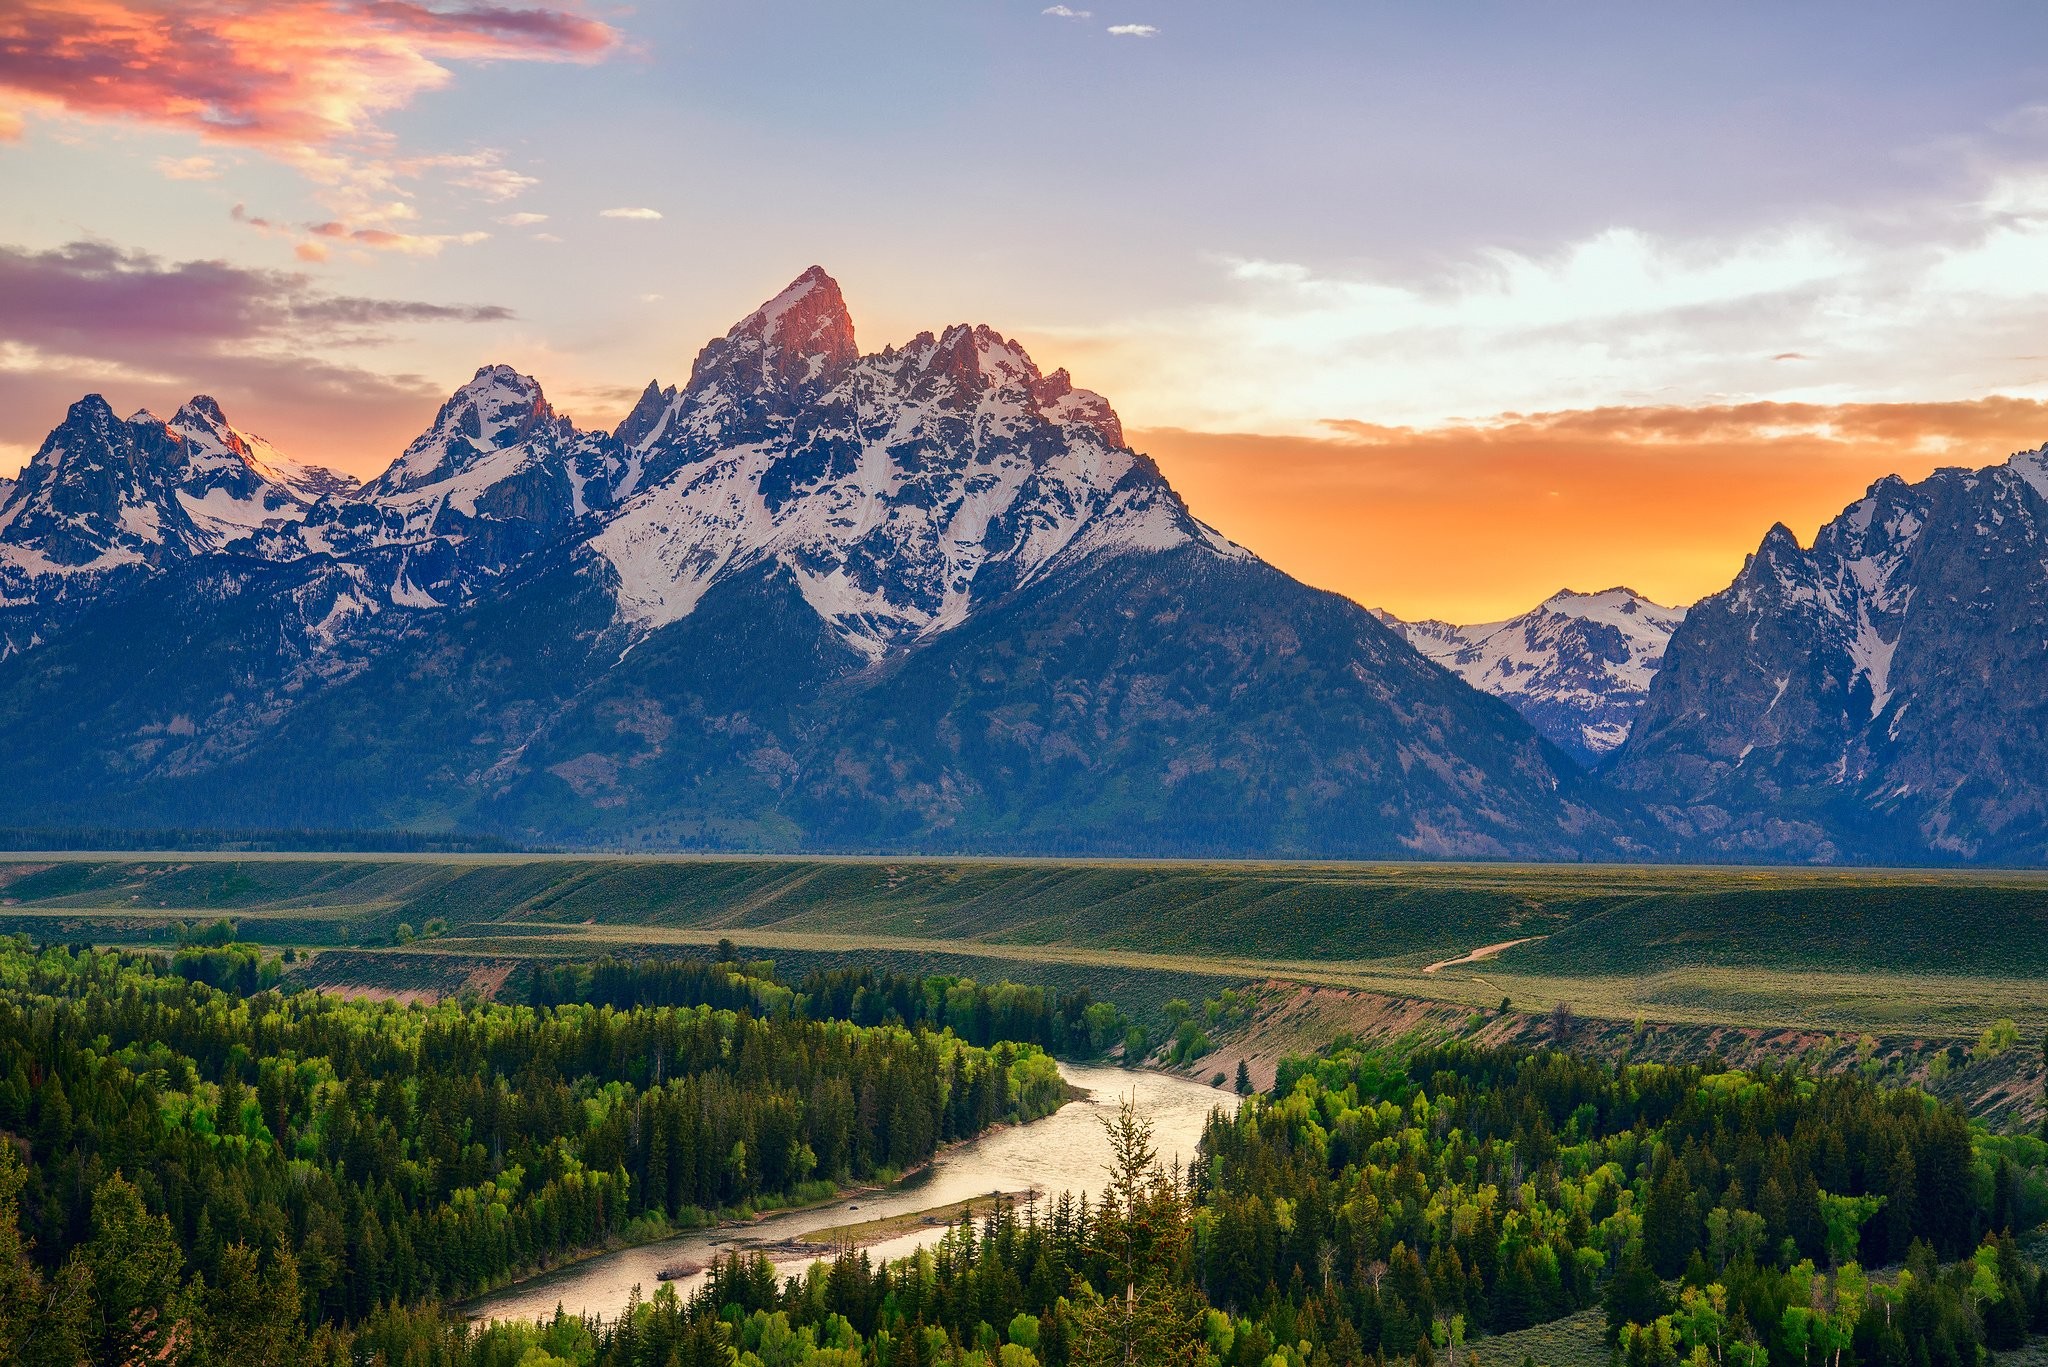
(1577, 665)
(924, 598)
(1865, 697)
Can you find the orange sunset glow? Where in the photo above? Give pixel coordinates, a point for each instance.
(1475, 523)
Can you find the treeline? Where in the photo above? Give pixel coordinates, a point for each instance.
(1070, 1024)
(342, 1157)
(1381, 1212)
(1927, 1315)
(1472, 1191)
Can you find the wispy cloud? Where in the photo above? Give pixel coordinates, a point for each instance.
(498, 184)
(648, 214)
(92, 315)
(1134, 30)
(307, 82)
(522, 220)
(188, 168)
(388, 240)
(94, 297)
(1952, 303)
(1066, 12)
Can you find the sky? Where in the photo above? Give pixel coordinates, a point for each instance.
(1441, 307)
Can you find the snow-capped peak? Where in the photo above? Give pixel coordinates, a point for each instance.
(498, 409)
(2032, 466)
(1619, 607)
(234, 483)
(1578, 665)
(104, 496)
(211, 442)
(802, 335)
(1061, 402)
(897, 490)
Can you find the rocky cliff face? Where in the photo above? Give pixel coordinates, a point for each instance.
(1874, 696)
(925, 598)
(1578, 665)
(898, 491)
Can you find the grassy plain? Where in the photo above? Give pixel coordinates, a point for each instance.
(1939, 953)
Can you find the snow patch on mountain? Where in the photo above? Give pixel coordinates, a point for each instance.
(108, 502)
(1868, 693)
(1578, 665)
(232, 483)
(2032, 467)
(498, 410)
(897, 489)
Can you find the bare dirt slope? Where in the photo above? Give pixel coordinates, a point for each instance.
(1296, 1019)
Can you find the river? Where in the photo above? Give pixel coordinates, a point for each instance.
(1065, 1151)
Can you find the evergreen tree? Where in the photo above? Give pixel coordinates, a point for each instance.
(250, 1317)
(136, 1272)
(1148, 1316)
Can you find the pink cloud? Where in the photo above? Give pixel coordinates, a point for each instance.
(271, 72)
(271, 344)
(94, 299)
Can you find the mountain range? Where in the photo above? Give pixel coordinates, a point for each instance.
(923, 599)
(930, 599)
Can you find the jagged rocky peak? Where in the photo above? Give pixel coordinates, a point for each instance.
(1059, 400)
(1578, 665)
(104, 487)
(968, 364)
(201, 408)
(1856, 697)
(648, 417)
(795, 357)
(95, 497)
(498, 409)
(899, 490)
(2032, 468)
(800, 339)
(212, 443)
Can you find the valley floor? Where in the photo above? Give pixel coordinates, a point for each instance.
(1901, 974)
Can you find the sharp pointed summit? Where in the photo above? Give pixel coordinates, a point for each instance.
(645, 421)
(797, 342)
(809, 318)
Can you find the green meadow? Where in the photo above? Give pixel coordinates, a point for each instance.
(1882, 950)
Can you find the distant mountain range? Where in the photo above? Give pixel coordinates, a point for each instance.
(920, 599)
(929, 599)
(1577, 665)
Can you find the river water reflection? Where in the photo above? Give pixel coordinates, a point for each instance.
(1066, 1151)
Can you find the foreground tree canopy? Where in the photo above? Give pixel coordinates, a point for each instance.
(238, 1174)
